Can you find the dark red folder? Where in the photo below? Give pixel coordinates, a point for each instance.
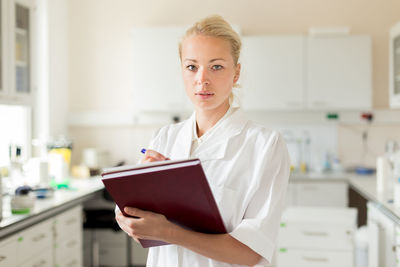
(177, 189)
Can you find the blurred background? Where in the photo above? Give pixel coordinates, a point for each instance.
(84, 84)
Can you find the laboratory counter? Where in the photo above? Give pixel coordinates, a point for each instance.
(366, 186)
(79, 191)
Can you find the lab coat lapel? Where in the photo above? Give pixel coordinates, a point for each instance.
(183, 142)
(214, 147)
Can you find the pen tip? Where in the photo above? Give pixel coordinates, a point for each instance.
(143, 150)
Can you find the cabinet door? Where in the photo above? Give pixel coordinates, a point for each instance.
(8, 252)
(381, 238)
(157, 78)
(321, 194)
(394, 66)
(339, 72)
(272, 72)
(21, 47)
(3, 46)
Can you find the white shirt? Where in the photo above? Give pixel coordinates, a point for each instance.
(247, 167)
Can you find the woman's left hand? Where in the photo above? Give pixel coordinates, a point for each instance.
(149, 225)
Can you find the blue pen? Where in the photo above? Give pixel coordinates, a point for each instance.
(143, 150)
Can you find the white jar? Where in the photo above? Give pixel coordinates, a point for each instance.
(396, 192)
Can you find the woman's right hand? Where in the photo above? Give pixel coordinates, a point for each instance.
(152, 155)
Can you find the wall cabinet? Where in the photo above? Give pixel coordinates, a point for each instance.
(157, 82)
(298, 72)
(18, 25)
(273, 72)
(339, 72)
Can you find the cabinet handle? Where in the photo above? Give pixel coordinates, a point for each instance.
(72, 263)
(41, 263)
(319, 104)
(315, 233)
(70, 221)
(2, 258)
(71, 243)
(315, 259)
(38, 237)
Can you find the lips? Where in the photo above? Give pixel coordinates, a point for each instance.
(204, 93)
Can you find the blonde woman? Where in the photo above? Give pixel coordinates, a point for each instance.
(247, 165)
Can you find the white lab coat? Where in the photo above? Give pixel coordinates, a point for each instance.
(247, 167)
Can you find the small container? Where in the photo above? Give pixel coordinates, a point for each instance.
(396, 193)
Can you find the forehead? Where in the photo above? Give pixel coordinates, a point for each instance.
(203, 47)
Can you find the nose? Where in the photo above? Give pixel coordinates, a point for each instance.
(202, 77)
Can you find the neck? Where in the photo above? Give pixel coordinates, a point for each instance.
(206, 119)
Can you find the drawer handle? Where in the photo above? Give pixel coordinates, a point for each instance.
(70, 221)
(72, 263)
(315, 259)
(71, 244)
(41, 263)
(2, 258)
(38, 237)
(315, 233)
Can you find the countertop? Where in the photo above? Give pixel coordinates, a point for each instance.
(80, 191)
(366, 186)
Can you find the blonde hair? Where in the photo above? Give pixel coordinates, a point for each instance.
(215, 26)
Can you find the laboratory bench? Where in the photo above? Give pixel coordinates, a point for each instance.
(51, 234)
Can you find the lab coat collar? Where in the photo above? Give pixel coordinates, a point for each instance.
(214, 147)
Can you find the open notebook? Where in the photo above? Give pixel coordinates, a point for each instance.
(177, 189)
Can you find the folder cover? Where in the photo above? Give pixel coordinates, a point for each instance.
(177, 189)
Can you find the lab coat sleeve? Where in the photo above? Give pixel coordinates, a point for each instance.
(260, 225)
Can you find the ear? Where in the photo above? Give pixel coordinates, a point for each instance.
(237, 73)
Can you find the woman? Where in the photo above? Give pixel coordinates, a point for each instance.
(247, 165)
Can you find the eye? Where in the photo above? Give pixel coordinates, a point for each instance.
(217, 67)
(191, 67)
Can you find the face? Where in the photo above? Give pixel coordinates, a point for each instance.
(208, 71)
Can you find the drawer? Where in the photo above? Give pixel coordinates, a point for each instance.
(44, 259)
(315, 236)
(34, 240)
(67, 248)
(73, 261)
(313, 258)
(67, 223)
(108, 236)
(8, 252)
(113, 256)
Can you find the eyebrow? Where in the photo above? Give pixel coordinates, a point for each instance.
(212, 60)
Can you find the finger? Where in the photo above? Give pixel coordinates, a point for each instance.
(135, 212)
(155, 155)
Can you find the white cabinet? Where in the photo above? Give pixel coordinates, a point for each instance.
(33, 241)
(8, 252)
(381, 238)
(157, 78)
(339, 72)
(312, 236)
(394, 66)
(298, 72)
(68, 238)
(54, 242)
(18, 25)
(316, 193)
(273, 72)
